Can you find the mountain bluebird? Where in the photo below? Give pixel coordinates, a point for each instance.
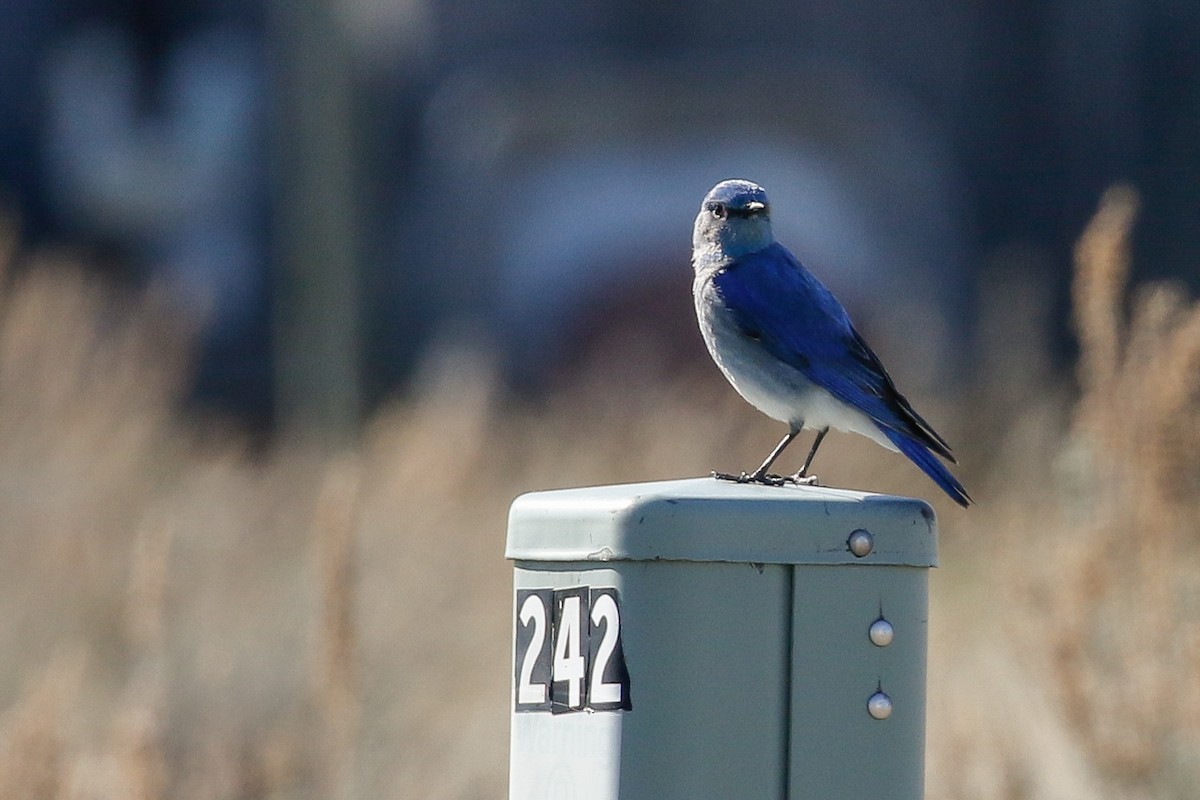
(787, 345)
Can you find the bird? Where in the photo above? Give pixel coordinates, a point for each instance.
(788, 346)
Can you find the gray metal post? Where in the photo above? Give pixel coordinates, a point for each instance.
(700, 639)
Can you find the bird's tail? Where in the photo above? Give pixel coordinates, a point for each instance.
(930, 465)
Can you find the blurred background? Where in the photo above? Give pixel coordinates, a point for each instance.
(299, 294)
(517, 174)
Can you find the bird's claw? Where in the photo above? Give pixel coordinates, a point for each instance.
(765, 478)
(803, 480)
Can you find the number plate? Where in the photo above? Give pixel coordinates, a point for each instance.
(568, 651)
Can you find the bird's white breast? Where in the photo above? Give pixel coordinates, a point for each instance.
(773, 387)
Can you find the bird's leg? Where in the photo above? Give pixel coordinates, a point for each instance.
(802, 477)
(760, 475)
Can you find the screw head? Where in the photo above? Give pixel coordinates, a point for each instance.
(881, 632)
(879, 706)
(861, 543)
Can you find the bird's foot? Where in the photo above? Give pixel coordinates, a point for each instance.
(765, 478)
(803, 480)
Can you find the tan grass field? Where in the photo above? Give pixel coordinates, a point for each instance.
(182, 616)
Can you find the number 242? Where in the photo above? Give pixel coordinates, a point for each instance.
(569, 654)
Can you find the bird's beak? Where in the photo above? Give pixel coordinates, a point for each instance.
(753, 207)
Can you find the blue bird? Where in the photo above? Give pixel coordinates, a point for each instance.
(789, 348)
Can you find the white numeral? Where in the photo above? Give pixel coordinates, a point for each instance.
(599, 691)
(528, 692)
(568, 659)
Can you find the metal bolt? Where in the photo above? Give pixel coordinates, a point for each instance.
(879, 706)
(861, 543)
(881, 632)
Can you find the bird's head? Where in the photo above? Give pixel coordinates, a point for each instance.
(734, 220)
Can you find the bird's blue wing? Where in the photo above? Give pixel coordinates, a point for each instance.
(776, 301)
(782, 306)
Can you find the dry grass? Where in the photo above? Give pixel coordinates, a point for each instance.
(181, 619)
(1124, 642)
(1074, 669)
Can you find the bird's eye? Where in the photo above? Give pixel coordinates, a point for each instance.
(717, 210)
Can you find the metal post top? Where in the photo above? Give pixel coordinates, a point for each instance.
(703, 519)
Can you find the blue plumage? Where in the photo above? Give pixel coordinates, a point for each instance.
(788, 346)
(929, 464)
